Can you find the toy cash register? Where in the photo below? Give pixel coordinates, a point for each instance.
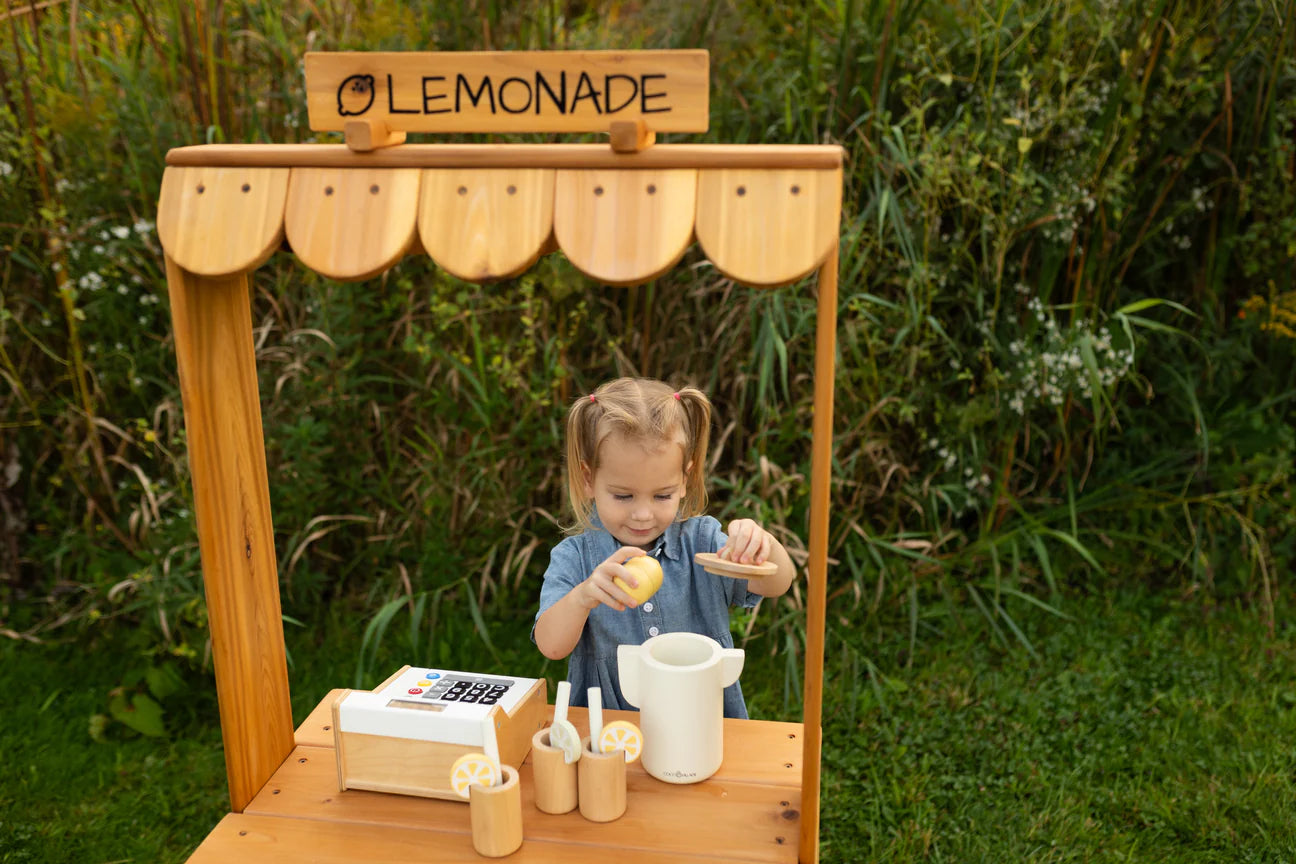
(405, 736)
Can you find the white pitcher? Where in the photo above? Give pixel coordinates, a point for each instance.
(677, 681)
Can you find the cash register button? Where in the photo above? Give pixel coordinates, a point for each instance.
(433, 675)
(424, 683)
(414, 691)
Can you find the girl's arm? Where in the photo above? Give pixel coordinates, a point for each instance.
(559, 627)
(749, 543)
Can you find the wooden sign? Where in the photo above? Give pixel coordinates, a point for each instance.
(509, 91)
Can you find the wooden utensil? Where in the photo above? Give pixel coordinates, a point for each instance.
(713, 563)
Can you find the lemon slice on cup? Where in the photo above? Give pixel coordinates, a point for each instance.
(624, 736)
(473, 769)
(563, 735)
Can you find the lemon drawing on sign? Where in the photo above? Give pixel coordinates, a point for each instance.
(473, 769)
(624, 736)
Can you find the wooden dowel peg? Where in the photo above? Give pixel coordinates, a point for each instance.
(602, 781)
(364, 135)
(631, 136)
(496, 815)
(553, 776)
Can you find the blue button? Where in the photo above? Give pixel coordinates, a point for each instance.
(433, 675)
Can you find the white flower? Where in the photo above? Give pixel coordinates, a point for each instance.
(121, 232)
(91, 281)
(123, 290)
(143, 226)
(5, 169)
(98, 250)
(144, 319)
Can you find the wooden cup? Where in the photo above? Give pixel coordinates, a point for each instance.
(496, 815)
(554, 779)
(602, 778)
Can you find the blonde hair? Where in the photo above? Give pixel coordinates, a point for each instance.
(646, 411)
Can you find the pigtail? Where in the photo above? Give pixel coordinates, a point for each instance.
(696, 409)
(582, 445)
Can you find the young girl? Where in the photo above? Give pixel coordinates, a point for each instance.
(636, 454)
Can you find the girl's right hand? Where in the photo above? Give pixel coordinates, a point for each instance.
(599, 587)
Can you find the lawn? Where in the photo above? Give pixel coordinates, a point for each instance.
(1145, 727)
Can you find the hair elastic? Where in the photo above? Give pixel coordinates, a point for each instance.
(676, 395)
(591, 397)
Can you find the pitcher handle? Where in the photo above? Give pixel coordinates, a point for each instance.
(628, 664)
(731, 665)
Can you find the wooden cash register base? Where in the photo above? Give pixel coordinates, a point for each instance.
(750, 804)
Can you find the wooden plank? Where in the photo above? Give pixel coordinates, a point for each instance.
(756, 751)
(212, 322)
(758, 821)
(817, 575)
(657, 157)
(219, 221)
(317, 729)
(255, 839)
(768, 227)
(351, 224)
(624, 227)
(486, 223)
(509, 91)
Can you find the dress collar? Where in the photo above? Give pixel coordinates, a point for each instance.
(669, 543)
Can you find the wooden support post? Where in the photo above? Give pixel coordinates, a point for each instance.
(816, 589)
(212, 320)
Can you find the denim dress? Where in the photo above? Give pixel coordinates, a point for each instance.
(689, 600)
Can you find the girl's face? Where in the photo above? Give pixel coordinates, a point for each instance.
(636, 488)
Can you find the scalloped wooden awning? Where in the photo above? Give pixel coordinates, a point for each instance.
(765, 215)
(621, 220)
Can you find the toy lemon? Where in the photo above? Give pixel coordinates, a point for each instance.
(647, 572)
(473, 769)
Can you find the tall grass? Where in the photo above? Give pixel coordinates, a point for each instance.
(1054, 213)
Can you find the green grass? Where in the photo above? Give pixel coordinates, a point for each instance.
(1148, 729)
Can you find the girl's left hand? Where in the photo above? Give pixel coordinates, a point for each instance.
(748, 543)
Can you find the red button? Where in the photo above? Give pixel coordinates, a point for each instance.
(414, 691)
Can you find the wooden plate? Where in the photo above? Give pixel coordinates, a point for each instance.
(713, 563)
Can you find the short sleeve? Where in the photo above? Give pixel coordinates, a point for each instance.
(711, 538)
(566, 570)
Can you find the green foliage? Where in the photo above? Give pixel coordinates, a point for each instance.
(1053, 215)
